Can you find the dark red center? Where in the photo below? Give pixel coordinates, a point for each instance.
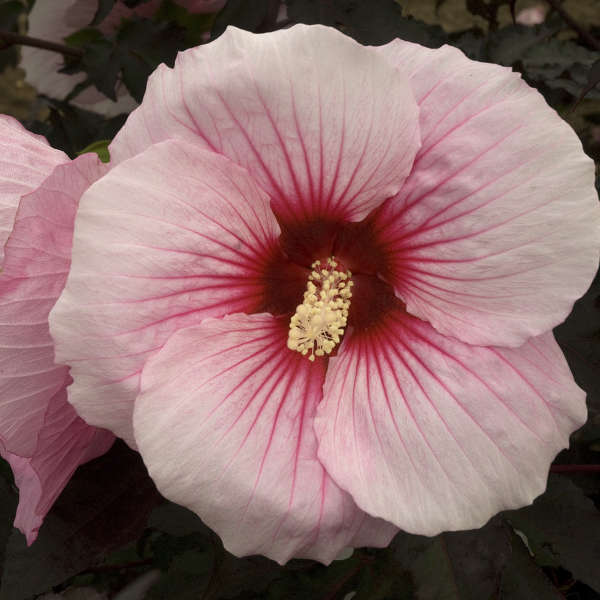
(355, 245)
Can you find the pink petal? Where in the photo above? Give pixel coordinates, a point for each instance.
(164, 240)
(224, 424)
(495, 233)
(534, 15)
(26, 161)
(40, 434)
(432, 434)
(64, 442)
(35, 270)
(325, 125)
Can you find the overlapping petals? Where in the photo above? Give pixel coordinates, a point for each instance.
(439, 182)
(495, 234)
(302, 110)
(40, 434)
(27, 160)
(63, 442)
(225, 424)
(433, 434)
(164, 240)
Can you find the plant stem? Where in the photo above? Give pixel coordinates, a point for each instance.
(568, 19)
(574, 468)
(8, 39)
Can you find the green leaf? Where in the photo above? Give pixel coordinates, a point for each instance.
(563, 528)
(463, 565)
(98, 61)
(176, 520)
(306, 579)
(72, 129)
(10, 12)
(100, 148)
(544, 59)
(376, 22)
(104, 506)
(472, 43)
(241, 13)
(522, 579)
(509, 44)
(195, 25)
(579, 338)
(84, 36)
(382, 579)
(131, 54)
(104, 7)
(187, 578)
(488, 9)
(591, 85)
(134, 3)
(141, 45)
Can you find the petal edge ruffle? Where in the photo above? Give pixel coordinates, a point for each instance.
(224, 425)
(435, 435)
(197, 234)
(496, 232)
(323, 124)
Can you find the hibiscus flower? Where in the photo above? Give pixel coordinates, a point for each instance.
(41, 435)
(317, 289)
(54, 20)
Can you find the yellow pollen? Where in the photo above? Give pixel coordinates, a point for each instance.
(319, 321)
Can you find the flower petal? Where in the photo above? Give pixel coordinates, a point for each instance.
(164, 240)
(495, 233)
(224, 424)
(26, 161)
(325, 125)
(35, 270)
(432, 434)
(64, 442)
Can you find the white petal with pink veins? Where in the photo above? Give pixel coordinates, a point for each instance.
(164, 240)
(325, 125)
(26, 160)
(496, 232)
(224, 424)
(37, 261)
(434, 435)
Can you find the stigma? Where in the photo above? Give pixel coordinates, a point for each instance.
(318, 323)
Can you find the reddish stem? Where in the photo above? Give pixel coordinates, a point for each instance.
(574, 468)
(7, 39)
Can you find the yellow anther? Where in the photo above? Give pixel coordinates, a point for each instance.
(319, 321)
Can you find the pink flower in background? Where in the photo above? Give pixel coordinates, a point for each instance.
(54, 20)
(534, 15)
(455, 217)
(41, 436)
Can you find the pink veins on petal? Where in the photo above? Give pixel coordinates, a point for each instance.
(460, 258)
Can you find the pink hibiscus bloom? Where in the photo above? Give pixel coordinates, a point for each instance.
(41, 436)
(534, 15)
(54, 20)
(455, 220)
